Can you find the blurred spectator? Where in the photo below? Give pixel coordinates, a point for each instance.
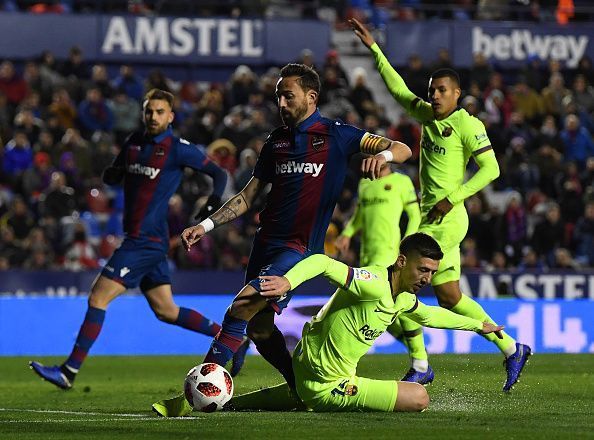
(37, 82)
(37, 178)
(583, 236)
(526, 101)
(80, 255)
(583, 95)
(548, 162)
(127, 114)
(530, 261)
(361, 95)
(128, 82)
(12, 84)
(553, 94)
(415, 75)
(26, 122)
(332, 61)
(481, 70)
(157, 80)
(58, 201)
(18, 155)
(94, 114)
(10, 248)
(521, 173)
(577, 142)
(233, 128)
(247, 162)
(534, 73)
(243, 83)
(100, 80)
(549, 233)
(223, 152)
(564, 260)
(75, 67)
(18, 218)
(63, 109)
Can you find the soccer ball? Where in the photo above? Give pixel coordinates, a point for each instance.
(208, 387)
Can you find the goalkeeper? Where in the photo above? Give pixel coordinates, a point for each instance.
(450, 137)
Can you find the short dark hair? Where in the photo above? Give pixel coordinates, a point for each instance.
(159, 94)
(308, 77)
(447, 73)
(423, 244)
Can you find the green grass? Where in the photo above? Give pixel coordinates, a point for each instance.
(112, 399)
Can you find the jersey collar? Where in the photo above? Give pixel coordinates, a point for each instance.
(312, 119)
(161, 136)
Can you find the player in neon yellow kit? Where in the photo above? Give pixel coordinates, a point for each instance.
(450, 137)
(377, 218)
(365, 303)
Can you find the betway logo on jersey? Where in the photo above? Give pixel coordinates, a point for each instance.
(150, 172)
(521, 43)
(292, 167)
(369, 333)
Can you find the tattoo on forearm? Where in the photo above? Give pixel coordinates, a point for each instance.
(234, 207)
(374, 144)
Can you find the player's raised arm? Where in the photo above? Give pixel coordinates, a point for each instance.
(412, 104)
(232, 209)
(383, 150)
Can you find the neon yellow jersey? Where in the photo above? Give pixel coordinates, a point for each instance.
(377, 217)
(358, 312)
(446, 145)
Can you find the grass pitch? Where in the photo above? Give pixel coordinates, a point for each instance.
(113, 395)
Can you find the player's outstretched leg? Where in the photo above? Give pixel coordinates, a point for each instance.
(514, 365)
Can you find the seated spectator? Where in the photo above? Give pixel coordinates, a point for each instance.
(37, 178)
(583, 236)
(128, 82)
(94, 114)
(80, 255)
(222, 151)
(577, 142)
(18, 156)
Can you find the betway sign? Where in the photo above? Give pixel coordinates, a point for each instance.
(519, 44)
(182, 37)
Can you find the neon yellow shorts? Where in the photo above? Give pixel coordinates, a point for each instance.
(345, 394)
(449, 234)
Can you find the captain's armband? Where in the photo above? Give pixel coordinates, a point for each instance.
(372, 143)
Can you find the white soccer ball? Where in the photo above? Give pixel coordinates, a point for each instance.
(208, 387)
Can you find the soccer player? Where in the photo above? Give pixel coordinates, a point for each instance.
(450, 137)
(151, 164)
(305, 161)
(377, 217)
(365, 303)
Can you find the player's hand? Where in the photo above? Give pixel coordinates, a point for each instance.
(372, 165)
(362, 32)
(439, 210)
(342, 243)
(492, 328)
(191, 235)
(272, 286)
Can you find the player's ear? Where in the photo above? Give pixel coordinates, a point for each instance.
(171, 117)
(400, 262)
(312, 97)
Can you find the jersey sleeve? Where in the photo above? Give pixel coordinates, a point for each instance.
(365, 283)
(476, 141)
(412, 104)
(349, 138)
(438, 317)
(120, 159)
(264, 166)
(189, 155)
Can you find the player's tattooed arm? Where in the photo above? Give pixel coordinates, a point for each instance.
(238, 204)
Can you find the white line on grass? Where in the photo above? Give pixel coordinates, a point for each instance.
(82, 413)
(114, 419)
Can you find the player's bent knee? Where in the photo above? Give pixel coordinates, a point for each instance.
(412, 397)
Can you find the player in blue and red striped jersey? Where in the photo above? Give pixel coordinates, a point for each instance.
(306, 161)
(151, 164)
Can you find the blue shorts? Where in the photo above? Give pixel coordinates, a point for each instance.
(272, 260)
(136, 263)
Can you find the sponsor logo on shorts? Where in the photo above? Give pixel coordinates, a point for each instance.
(124, 271)
(109, 269)
(281, 144)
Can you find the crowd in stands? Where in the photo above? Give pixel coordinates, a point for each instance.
(379, 12)
(62, 122)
